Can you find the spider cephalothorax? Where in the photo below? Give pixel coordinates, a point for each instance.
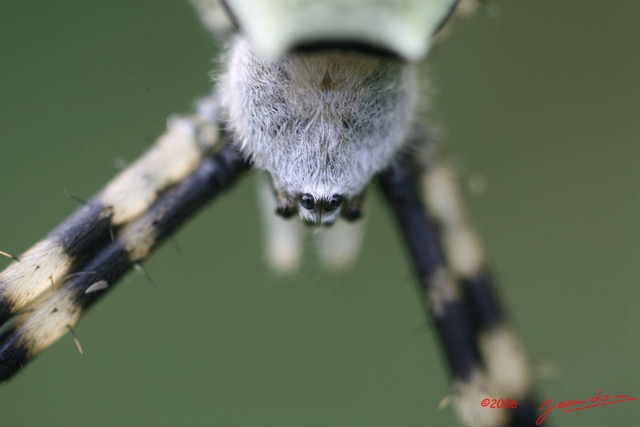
(321, 123)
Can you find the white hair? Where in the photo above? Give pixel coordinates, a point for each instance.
(320, 123)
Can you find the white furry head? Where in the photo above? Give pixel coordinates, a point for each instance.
(322, 124)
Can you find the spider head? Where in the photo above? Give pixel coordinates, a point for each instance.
(319, 210)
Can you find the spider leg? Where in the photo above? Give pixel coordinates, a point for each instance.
(502, 352)
(451, 302)
(339, 245)
(79, 260)
(53, 315)
(173, 157)
(283, 236)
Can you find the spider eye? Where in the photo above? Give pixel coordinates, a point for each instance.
(308, 202)
(333, 203)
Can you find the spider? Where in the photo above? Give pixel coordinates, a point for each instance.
(85, 256)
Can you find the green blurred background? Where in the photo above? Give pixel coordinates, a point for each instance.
(540, 99)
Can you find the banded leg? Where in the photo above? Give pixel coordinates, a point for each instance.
(283, 236)
(114, 230)
(172, 158)
(449, 305)
(53, 315)
(502, 352)
(338, 246)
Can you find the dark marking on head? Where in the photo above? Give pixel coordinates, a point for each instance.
(327, 82)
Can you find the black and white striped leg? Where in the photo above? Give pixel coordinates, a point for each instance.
(49, 262)
(56, 313)
(446, 301)
(500, 348)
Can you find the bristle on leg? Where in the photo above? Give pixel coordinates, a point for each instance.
(170, 160)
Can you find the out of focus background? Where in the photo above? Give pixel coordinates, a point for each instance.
(540, 102)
